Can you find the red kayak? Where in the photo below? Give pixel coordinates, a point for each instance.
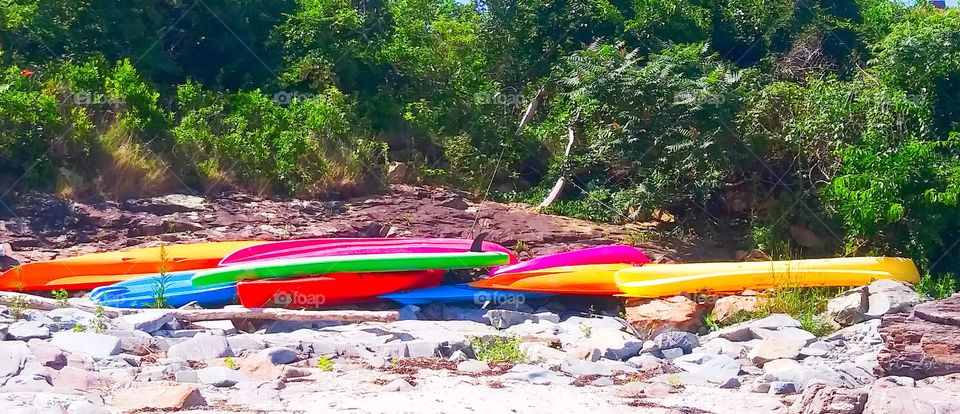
(331, 289)
(304, 248)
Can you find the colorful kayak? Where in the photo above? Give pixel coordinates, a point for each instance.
(331, 289)
(565, 280)
(397, 262)
(462, 294)
(673, 279)
(589, 256)
(306, 248)
(141, 292)
(91, 270)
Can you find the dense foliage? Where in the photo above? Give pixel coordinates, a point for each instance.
(809, 126)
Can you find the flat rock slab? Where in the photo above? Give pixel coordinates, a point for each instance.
(201, 348)
(924, 343)
(96, 345)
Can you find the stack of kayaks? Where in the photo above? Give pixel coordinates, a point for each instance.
(312, 273)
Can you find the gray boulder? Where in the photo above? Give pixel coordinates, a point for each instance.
(13, 355)
(718, 369)
(26, 330)
(279, 355)
(677, 339)
(889, 296)
(148, 322)
(201, 348)
(771, 349)
(96, 345)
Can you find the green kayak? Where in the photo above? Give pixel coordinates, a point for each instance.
(288, 268)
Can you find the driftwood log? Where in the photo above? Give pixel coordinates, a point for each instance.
(231, 313)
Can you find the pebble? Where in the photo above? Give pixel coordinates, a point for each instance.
(781, 388)
(473, 366)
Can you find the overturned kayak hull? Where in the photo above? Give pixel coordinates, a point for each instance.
(92, 270)
(463, 293)
(311, 248)
(564, 280)
(673, 279)
(142, 292)
(331, 289)
(599, 255)
(291, 268)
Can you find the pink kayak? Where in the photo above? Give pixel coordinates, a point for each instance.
(599, 255)
(304, 248)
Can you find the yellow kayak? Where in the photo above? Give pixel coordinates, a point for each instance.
(728, 277)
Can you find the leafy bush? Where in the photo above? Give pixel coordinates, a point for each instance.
(498, 349)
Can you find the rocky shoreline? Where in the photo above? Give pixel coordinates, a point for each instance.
(438, 359)
(892, 353)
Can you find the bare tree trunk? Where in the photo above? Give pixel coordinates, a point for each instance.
(558, 186)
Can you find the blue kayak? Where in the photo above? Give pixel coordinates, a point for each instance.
(462, 293)
(141, 292)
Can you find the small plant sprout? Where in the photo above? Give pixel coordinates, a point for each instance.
(161, 282)
(99, 323)
(710, 322)
(326, 364)
(79, 328)
(61, 296)
(18, 306)
(586, 330)
(230, 363)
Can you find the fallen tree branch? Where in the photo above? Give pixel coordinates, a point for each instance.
(277, 314)
(198, 315)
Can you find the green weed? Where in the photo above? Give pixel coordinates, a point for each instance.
(161, 282)
(710, 322)
(498, 349)
(17, 307)
(230, 363)
(326, 364)
(79, 328)
(99, 323)
(61, 296)
(937, 287)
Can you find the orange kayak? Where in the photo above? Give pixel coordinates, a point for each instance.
(564, 280)
(98, 269)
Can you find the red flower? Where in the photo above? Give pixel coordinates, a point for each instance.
(27, 72)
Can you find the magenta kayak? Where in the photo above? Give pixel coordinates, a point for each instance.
(611, 254)
(304, 248)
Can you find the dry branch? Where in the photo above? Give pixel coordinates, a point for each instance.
(198, 315)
